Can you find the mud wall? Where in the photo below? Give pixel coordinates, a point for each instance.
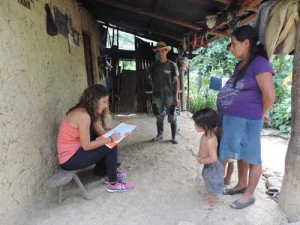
(40, 78)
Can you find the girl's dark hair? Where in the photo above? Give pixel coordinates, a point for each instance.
(207, 119)
(256, 48)
(89, 101)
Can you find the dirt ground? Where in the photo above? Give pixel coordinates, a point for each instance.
(168, 186)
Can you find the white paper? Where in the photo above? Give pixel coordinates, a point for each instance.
(122, 128)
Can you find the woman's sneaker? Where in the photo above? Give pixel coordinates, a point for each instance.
(121, 176)
(119, 186)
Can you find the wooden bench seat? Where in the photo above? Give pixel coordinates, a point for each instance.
(63, 177)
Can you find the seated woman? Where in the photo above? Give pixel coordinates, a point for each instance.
(77, 150)
(97, 129)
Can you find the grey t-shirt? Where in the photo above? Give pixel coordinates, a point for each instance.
(162, 76)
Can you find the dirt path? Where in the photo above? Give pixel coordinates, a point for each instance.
(168, 187)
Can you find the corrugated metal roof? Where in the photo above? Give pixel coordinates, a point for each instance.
(173, 20)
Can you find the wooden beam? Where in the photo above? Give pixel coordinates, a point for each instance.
(249, 7)
(243, 22)
(167, 35)
(248, 19)
(122, 54)
(220, 23)
(227, 2)
(154, 11)
(149, 14)
(201, 2)
(136, 30)
(223, 19)
(220, 33)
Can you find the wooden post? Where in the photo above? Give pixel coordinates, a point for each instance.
(289, 199)
(82, 188)
(60, 194)
(182, 94)
(188, 88)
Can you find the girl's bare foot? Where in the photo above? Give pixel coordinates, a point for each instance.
(205, 197)
(209, 205)
(211, 202)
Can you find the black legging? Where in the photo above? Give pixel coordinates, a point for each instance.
(82, 159)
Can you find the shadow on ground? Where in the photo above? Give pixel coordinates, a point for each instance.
(168, 188)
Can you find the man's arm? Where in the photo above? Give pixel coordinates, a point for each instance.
(175, 74)
(176, 91)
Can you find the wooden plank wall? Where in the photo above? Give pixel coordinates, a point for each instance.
(127, 92)
(144, 57)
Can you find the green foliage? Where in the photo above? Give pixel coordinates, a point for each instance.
(280, 113)
(205, 97)
(204, 101)
(282, 66)
(215, 59)
(127, 64)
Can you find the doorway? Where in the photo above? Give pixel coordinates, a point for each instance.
(88, 58)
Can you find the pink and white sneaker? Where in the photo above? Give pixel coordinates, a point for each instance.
(119, 186)
(121, 176)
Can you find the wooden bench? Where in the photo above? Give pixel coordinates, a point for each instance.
(63, 177)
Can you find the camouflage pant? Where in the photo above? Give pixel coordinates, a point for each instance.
(162, 106)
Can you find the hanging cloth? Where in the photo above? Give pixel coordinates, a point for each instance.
(281, 29)
(261, 19)
(211, 21)
(288, 35)
(51, 26)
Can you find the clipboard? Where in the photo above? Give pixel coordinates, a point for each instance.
(122, 128)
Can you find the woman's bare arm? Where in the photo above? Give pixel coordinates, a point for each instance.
(265, 83)
(98, 128)
(83, 123)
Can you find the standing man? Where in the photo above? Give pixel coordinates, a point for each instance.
(163, 76)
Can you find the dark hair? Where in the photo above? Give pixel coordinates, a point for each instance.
(89, 100)
(207, 119)
(256, 48)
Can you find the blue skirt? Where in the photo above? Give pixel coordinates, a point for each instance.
(240, 139)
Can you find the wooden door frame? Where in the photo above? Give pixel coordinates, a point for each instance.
(88, 57)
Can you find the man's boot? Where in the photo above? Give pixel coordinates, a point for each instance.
(174, 133)
(160, 132)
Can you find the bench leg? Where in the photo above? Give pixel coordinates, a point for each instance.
(60, 192)
(82, 188)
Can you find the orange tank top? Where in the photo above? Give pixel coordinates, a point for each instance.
(67, 142)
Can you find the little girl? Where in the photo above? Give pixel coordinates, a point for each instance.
(206, 121)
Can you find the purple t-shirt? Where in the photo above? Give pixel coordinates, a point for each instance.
(245, 100)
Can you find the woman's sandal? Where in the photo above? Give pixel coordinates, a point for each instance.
(273, 193)
(238, 205)
(231, 191)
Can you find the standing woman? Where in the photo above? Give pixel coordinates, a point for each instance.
(243, 103)
(75, 148)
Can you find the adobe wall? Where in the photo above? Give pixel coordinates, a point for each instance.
(39, 80)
